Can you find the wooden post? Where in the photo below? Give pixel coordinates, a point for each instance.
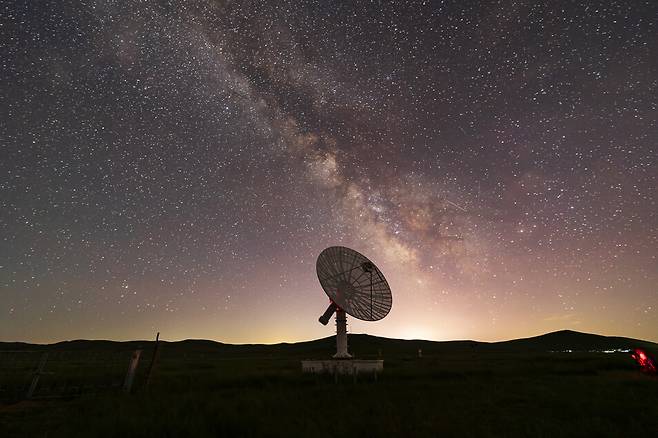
(37, 375)
(153, 359)
(132, 367)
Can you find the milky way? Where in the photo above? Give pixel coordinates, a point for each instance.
(178, 166)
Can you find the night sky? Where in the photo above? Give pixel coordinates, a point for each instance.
(177, 166)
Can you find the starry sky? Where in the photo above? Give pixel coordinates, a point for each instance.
(177, 166)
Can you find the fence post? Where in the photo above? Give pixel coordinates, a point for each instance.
(153, 359)
(132, 367)
(37, 375)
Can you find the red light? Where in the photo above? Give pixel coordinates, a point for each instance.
(646, 363)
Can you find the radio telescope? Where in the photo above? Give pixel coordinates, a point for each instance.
(355, 286)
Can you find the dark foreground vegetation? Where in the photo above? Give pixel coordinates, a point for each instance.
(200, 388)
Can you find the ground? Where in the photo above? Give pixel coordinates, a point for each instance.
(455, 390)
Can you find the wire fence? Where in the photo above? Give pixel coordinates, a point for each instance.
(38, 374)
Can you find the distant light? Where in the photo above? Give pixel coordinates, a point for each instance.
(616, 350)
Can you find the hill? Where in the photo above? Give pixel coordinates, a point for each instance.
(361, 344)
(576, 341)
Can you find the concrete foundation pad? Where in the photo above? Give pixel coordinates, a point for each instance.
(343, 366)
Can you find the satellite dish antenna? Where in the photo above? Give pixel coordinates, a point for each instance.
(355, 286)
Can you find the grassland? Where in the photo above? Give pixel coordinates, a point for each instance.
(456, 389)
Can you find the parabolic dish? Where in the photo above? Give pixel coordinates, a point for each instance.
(354, 283)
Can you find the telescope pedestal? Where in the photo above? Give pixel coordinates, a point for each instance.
(341, 335)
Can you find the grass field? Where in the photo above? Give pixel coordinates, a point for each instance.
(455, 389)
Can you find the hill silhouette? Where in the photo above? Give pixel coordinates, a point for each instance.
(562, 340)
(575, 341)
